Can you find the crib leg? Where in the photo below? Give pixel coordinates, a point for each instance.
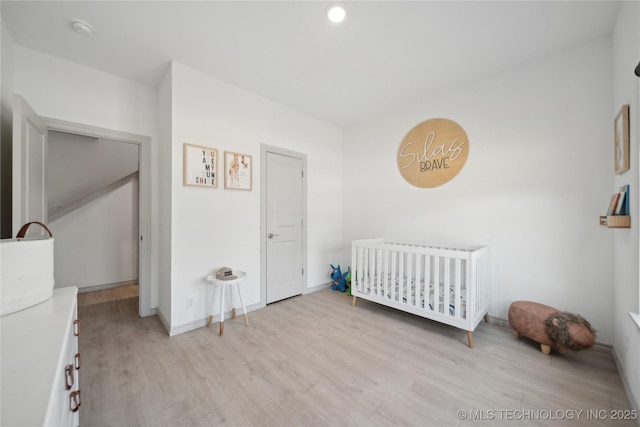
(486, 318)
(516, 334)
(470, 339)
(353, 301)
(545, 349)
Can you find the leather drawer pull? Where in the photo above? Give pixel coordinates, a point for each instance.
(68, 377)
(76, 327)
(74, 401)
(77, 361)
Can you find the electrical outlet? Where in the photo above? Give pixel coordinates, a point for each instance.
(191, 301)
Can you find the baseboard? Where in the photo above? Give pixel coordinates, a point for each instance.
(181, 329)
(164, 323)
(500, 322)
(599, 347)
(630, 397)
(196, 324)
(317, 288)
(107, 286)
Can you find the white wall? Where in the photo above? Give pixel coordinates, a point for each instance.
(164, 197)
(63, 90)
(216, 227)
(539, 174)
(96, 244)
(626, 54)
(96, 164)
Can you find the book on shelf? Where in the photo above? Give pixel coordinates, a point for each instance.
(613, 204)
(622, 196)
(624, 209)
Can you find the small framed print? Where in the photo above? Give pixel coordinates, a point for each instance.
(238, 169)
(200, 166)
(621, 140)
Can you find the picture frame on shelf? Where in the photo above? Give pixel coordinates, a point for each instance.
(200, 166)
(238, 170)
(621, 140)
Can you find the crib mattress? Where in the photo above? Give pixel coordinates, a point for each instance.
(370, 285)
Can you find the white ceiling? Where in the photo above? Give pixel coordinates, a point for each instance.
(385, 55)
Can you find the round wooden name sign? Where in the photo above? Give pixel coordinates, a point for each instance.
(433, 153)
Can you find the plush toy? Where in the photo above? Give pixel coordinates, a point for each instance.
(570, 331)
(549, 327)
(339, 279)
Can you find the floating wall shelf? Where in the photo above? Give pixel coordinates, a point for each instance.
(616, 221)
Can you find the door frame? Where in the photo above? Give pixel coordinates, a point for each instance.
(264, 149)
(23, 116)
(144, 196)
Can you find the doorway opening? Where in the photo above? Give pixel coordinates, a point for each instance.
(141, 145)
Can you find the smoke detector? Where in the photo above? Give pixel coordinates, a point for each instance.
(81, 27)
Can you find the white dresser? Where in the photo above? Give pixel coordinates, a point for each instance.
(40, 363)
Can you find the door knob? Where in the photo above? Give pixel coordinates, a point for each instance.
(271, 235)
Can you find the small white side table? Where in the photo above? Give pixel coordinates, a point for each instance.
(222, 284)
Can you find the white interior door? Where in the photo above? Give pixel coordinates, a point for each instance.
(29, 166)
(284, 227)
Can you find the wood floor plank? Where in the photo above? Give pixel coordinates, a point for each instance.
(315, 360)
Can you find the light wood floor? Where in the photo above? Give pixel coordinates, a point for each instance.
(106, 295)
(314, 360)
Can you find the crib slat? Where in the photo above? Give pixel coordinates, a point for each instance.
(445, 285)
(427, 280)
(373, 270)
(458, 273)
(401, 274)
(417, 299)
(394, 274)
(387, 274)
(367, 273)
(381, 272)
(355, 281)
(436, 283)
(406, 295)
(378, 258)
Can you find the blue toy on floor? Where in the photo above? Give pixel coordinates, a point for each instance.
(339, 278)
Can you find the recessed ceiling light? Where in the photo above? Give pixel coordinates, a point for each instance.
(336, 14)
(81, 27)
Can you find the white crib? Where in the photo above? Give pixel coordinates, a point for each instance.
(445, 283)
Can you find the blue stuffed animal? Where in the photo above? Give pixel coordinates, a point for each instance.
(339, 279)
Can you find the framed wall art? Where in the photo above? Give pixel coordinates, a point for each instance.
(621, 140)
(200, 166)
(433, 153)
(238, 169)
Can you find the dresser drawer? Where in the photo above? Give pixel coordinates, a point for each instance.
(40, 375)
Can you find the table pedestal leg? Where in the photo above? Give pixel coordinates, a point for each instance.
(222, 311)
(213, 299)
(244, 309)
